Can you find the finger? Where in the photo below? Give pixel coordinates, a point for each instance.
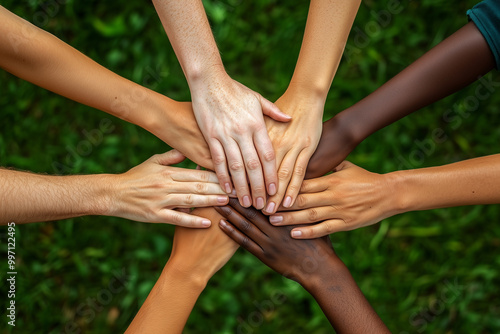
(319, 230)
(171, 157)
(243, 225)
(272, 110)
(183, 219)
(240, 238)
(220, 165)
(190, 175)
(306, 216)
(199, 188)
(254, 173)
(194, 200)
(238, 173)
(299, 172)
(307, 201)
(314, 185)
(254, 216)
(268, 157)
(284, 176)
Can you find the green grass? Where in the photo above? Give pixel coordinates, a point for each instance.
(404, 265)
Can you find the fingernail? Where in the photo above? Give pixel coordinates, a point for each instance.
(228, 188)
(221, 199)
(270, 207)
(272, 189)
(260, 203)
(233, 193)
(206, 223)
(296, 234)
(276, 219)
(246, 201)
(288, 202)
(223, 223)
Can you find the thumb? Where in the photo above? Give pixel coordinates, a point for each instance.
(272, 110)
(169, 158)
(344, 165)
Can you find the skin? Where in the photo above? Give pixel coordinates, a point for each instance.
(450, 66)
(312, 263)
(352, 197)
(229, 114)
(327, 28)
(196, 256)
(41, 58)
(148, 193)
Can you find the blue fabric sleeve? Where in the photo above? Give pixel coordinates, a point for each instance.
(486, 16)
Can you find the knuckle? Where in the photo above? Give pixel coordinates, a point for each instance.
(284, 174)
(251, 214)
(301, 201)
(189, 199)
(218, 160)
(236, 166)
(312, 215)
(204, 177)
(300, 171)
(245, 226)
(176, 217)
(293, 188)
(269, 156)
(245, 242)
(200, 187)
(253, 164)
(328, 226)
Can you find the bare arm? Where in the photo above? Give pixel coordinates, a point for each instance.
(196, 256)
(352, 197)
(229, 114)
(453, 64)
(312, 263)
(327, 28)
(41, 58)
(148, 193)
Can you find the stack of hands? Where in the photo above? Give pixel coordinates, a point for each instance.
(256, 151)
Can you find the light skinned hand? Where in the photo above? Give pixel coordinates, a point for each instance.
(152, 190)
(347, 199)
(294, 143)
(231, 119)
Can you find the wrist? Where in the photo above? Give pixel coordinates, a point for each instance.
(180, 270)
(307, 94)
(332, 269)
(99, 199)
(400, 191)
(201, 74)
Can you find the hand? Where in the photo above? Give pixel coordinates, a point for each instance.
(230, 117)
(178, 128)
(201, 252)
(348, 199)
(336, 142)
(149, 192)
(295, 259)
(294, 143)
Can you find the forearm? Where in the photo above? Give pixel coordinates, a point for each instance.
(27, 197)
(469, 182)
(41, 58)
(169, 303)
(327, 28)
(453, 64)
(342, 301)
(188, 30)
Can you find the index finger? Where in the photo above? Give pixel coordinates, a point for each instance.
(253, 215)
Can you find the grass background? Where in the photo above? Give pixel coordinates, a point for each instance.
(404, 265)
